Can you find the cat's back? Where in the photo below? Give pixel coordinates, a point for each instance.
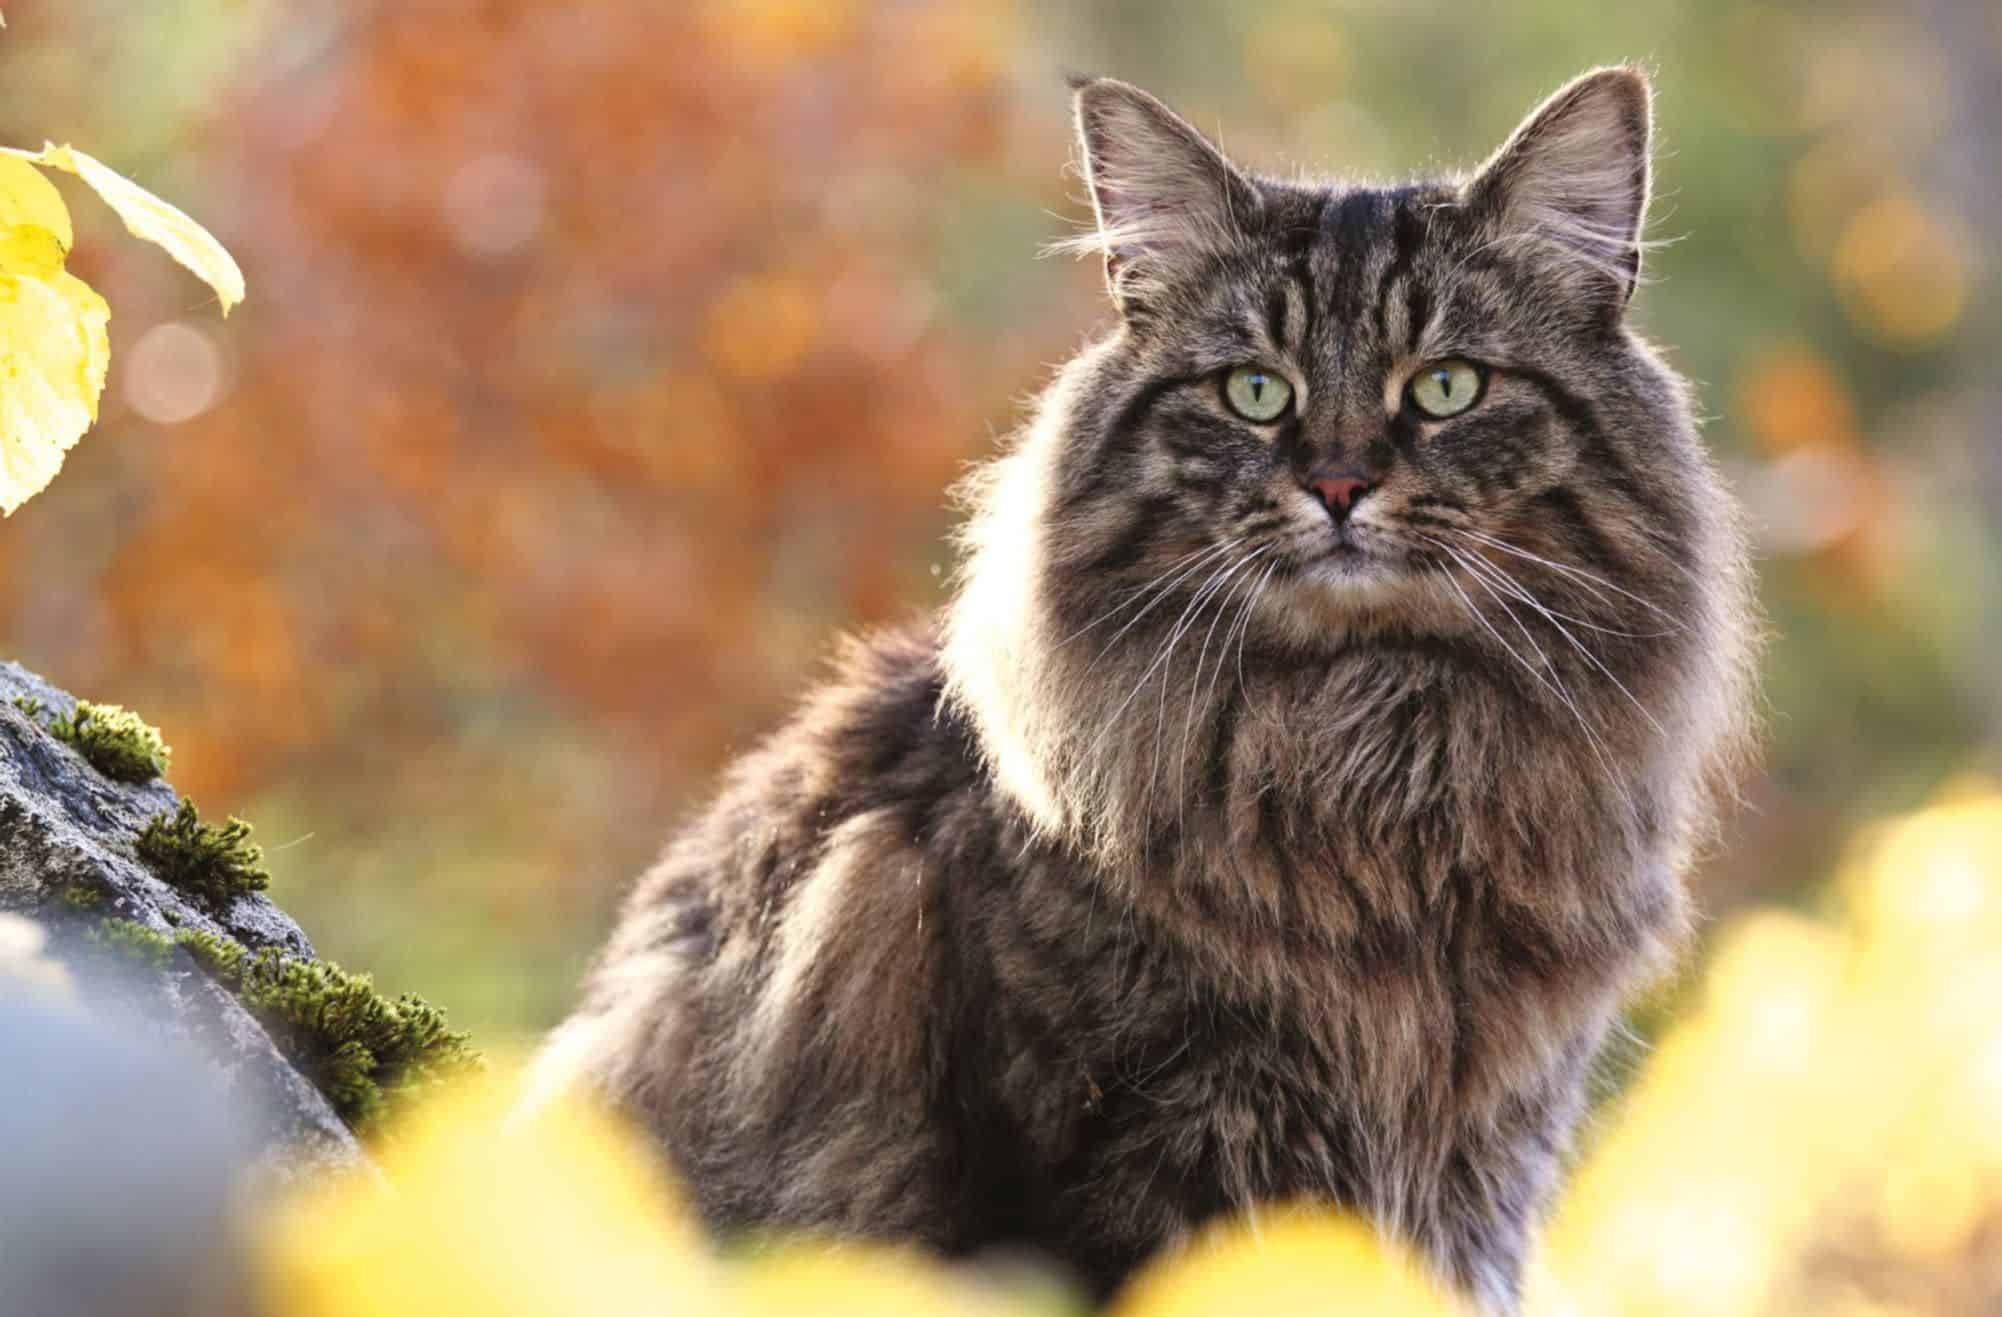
(788, 952)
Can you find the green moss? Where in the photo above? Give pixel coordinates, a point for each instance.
(78, 897)
(130, 940)
(366, 1052)
(221, 956)
(117, 742)
(213, 863)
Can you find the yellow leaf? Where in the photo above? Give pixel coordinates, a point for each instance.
(53, 354)
(154, 220)
(27, 249)
(53, 348)
(29, 200)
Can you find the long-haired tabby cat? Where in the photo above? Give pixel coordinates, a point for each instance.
(1343, 665)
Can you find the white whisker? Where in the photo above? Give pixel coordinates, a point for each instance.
(1586, 623)
(1210, 591)
(1223, 610)
(1140, 593)
(1180, 576)
(1474, 563)
(1167, 648)
(1244, 621)
(1550, 683)
(1577, 573)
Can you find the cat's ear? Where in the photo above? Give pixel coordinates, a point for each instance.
(1573, 181)
(1162, 193)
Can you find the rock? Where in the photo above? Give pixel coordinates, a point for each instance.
(68, 861)
(124, 1160)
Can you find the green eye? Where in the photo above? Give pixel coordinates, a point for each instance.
(1257, 394)
(1446, 388)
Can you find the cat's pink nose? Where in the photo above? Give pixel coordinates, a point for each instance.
(1338, 493)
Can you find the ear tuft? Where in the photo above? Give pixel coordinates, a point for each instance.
(1161, 191)
(1573, 179)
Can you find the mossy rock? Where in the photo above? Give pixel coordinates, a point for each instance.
(70, 860)
(369, 1054)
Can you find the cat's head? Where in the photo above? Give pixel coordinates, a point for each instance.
(1336, 415)
(1343, 388)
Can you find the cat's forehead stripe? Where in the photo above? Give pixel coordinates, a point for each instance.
(1407, 235)
(1367, 253)
(1278, 314)
(1298, 248)
(1352, 224)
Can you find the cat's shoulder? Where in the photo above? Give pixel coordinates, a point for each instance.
(872, 731)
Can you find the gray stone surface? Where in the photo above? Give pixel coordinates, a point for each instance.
(66, 827)
(125, 1159)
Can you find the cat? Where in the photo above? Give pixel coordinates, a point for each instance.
(1343, 666)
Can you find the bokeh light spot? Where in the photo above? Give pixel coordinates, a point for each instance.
(174, 373)
(762, 326)
(493, 204)
(1902, 272)
(1792, 398)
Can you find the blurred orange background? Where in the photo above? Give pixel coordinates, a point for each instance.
(603, 361)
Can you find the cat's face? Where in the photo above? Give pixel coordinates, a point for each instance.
(1376, 406)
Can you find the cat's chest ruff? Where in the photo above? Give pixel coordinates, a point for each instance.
(1368, 971)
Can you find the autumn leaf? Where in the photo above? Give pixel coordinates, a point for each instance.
(53, 343)
(29, 200)
(54, 348)
(150, 218)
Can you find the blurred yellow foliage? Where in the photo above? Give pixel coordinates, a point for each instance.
(483, 1209)
(1295, 1260)
(851, 1281)
(1826, 1127)
(1821, 1134)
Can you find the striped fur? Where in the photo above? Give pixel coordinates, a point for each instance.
(1188, 863)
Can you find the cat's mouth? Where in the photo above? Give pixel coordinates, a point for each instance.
(1347, 560)
(1358, 563)
(1346, 546)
